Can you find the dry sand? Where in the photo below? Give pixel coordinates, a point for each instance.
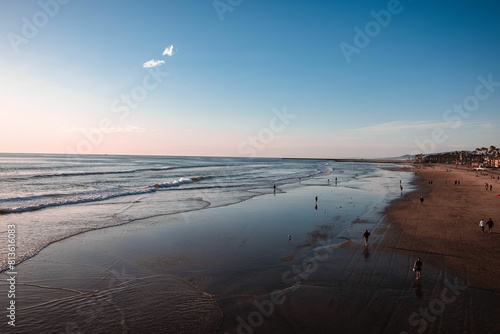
(447, 223)
(445, 232)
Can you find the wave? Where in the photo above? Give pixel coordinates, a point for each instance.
(90, 173)
(94, 198)
(31, 198)
(40, 206)
(303, 176)
(116, 172)
(42, 201)
(161, 168)
(175, 183)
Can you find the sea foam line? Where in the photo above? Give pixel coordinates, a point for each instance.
(151, 189)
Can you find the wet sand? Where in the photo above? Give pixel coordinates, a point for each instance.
(233, 269)
(350, 288)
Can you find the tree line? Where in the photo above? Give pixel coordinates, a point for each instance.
(480, 157)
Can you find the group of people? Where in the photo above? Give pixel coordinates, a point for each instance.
(489, 223)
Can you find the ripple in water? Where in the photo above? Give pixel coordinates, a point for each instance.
(158, 304)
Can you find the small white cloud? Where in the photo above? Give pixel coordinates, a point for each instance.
(153, 63)
(169, 51)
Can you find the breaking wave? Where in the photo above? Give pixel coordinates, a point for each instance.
(86, 198)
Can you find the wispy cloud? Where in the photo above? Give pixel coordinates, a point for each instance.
(153, 63)
(488, 125)
(391, 127)
(127, 128)
(169, 51)
(114, 129)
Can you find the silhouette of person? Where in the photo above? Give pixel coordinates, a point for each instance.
(366, 235)
(490, 225)
(417, 268)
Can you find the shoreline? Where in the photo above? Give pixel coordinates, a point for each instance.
(240, 262)
(248, 194)
(69, 226)
(375, 290)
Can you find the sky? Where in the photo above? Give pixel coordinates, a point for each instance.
(319, 79)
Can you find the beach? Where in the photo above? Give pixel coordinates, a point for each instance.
(446, 226)
(445, 232)
(282, 263)
(375, 291)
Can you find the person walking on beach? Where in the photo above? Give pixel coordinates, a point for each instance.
(422, 200)
(417, 268)
(482, 224)
(366, 235)
(490, 225)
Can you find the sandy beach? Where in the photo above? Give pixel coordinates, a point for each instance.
(445, 232)
(447, 224)
(234, 270)
(375, 291)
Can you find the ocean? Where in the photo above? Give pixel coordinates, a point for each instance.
(183, 233)
(50, 197)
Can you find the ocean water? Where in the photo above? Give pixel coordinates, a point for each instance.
(51, 197)
(35, 182)
(177, 249)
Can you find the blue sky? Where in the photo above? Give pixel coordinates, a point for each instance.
(237, 65)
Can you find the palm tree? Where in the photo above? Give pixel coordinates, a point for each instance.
(493, 155)
(484, 153)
